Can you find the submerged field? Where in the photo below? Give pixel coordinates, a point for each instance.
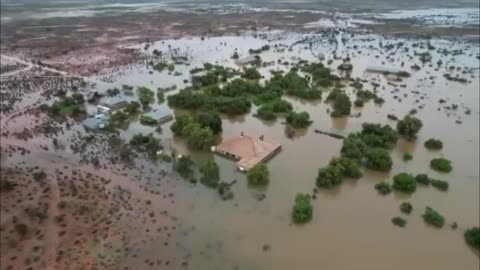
(351, 227)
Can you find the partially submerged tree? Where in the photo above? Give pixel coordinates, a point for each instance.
(409, 127)
(302, 210)
(258, 175)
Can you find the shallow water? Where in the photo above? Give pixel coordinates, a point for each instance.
(351, 227)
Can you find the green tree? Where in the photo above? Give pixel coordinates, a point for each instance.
(210, 119)
(378, 159)
(409, 127)
(398, 221)
(329, 176)
(258, 175)
(181, 121)
(198, 137)
(422, 179)
(341, 105)
(404, 182)
(432, 217)
(472, 237)
(184, 165)
(145, 96)
(441, 165)
(299, 120)
(406, 207)
(383, 188)
(433, 144)
(348, 167)
(210, 173)
(441, 185)
(251, 74)
(302, 209)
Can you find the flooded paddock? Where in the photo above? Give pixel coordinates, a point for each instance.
(351, 226)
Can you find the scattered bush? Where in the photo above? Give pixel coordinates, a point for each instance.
(6, 185)
(147, 144)
(404, 182)
(409, 127)
(383, 188)
(378, 159)
(210, 173)
(21, 229)
(39, 176)
(258, 175)
(422, 179)
(441, 165)
(432, 217)
(433, 144)
(406, 207)
(398, 221)
(441, 185)
(472, 237)
(302, 210)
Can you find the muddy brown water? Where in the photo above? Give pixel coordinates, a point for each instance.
(351, 227)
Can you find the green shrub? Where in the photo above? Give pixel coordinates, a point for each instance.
(404, 182)
(329, 176)
(441, 165)
(302, 210)
(406, 207)
(432, 217)
(258, 175)
(409, 127)
(383, 188)
(378, 159)
(210, 173)
(433, 144)
(398, 221)
(422, 179)
(472, 237)
(181, 121)
(441, 185)
(407, 157)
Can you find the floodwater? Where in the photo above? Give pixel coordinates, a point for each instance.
(351, 227)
